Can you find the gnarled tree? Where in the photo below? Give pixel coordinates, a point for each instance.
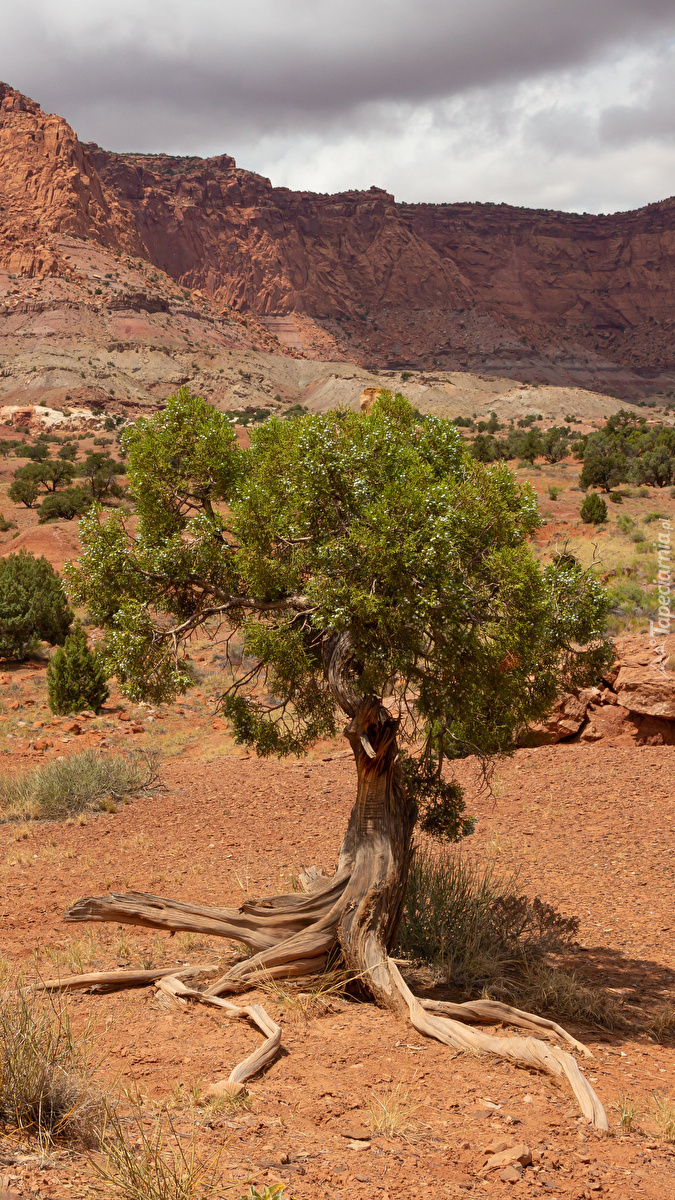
(367, 567)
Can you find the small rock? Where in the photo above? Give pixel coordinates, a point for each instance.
(496, 1147)
(72, 727)
(360, 1145)
(123, 716)
(137, 729)
(14, 705)
(356, 1133)
(42, 744)
(511, 1174)
(582, 1156)
(514, 1154)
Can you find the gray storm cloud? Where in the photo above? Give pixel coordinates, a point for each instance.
(506, 99)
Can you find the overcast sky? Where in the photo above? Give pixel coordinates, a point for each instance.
(547, 103)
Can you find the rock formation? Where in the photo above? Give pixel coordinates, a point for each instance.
(540, 296)
(636, 702)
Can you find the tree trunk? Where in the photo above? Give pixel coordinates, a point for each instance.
(380, 828)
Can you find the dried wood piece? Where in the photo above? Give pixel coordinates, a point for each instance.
(113, 980)
(492, 1011)
(256, 1013)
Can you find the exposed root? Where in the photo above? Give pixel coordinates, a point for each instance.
(526, 1051)
(170, 981)
(490, 1012)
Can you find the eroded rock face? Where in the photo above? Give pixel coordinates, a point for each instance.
(36, 419)
(540, 296)
(49, 185)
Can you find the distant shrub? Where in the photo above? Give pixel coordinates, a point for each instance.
(638, 536)
(554, 491)
(625, 523)
(33, 605)
(616, 497)
(75, 676)
(72, 502)
(23, 491)
(84, 782)
(594, 510)
(5, 525)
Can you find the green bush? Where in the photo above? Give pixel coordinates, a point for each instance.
(594, 510)
(23, 491)
(84, 782)
(73, 502)
(75, 676)
(616, 497)
(466, 919)
(33, 605)
(625, 523)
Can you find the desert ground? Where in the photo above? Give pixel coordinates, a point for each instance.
(587, 824)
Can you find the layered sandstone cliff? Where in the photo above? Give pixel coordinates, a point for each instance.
(541, 296)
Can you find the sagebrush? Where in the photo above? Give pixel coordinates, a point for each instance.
(83, 782)
(473, 925)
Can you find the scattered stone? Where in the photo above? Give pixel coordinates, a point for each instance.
(496, 1147)
(42, 744)
(356, 1133)
(514, 1154)
(511, 1174)
(72, 727)
(14, 705)
(360, 1145)
(137, 729)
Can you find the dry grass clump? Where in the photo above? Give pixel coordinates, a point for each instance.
(479, 933)
(662, 1024)
(663, 1112)
(46, 1084)
(392, 1115)
(316, 998)
(628, 1109)
(155, 1164)
(84, 782)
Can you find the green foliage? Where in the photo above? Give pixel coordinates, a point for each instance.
(625, 523)
(440, 801)
(68, 452)
(38, 453)
(33, 605)
(6, 525)
(75, 676)
(72, 502)
(52, 474)
(380, 526)
(23, 491)
(626, 449)
(100, 471)
(593, 510)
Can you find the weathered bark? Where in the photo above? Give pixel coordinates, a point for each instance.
(358, 910)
